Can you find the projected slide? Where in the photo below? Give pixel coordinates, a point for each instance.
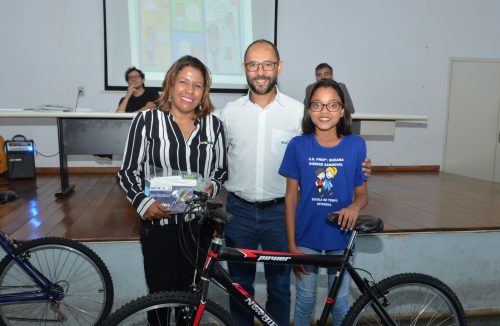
(151, 34)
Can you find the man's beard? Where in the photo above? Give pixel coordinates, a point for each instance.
(268, 89)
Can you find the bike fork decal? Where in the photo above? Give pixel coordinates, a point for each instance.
(249, 301)
(330, 300)
(199, 313)
(266, 319)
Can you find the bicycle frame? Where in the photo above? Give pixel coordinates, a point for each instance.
(45, 292)
(212, 270)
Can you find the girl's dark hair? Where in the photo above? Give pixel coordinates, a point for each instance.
(164, 103)
(344, 124)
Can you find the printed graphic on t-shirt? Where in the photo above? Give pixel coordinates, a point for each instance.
(326, 170)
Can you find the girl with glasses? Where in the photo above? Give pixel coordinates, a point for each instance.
(323, 168)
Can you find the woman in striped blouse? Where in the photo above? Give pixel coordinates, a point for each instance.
(181, 133)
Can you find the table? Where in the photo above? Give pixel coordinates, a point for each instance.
(89, 135)
(83, 133)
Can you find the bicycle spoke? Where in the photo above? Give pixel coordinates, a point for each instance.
(81, 288)
(413, 300)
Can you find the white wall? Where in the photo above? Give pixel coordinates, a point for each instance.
(393, 55)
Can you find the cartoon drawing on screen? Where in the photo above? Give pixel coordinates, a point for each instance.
(331, 171)
(150, 50)
(213, 45)
(193, 12)
(228, 36)
(320, 178)
(148, 5)
(180, 18)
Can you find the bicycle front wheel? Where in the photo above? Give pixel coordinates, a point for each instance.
(75, 271)
(410, 299)
(168, 308)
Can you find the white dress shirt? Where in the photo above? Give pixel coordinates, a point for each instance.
(257, 138)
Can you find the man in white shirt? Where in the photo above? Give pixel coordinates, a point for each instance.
(258, 128)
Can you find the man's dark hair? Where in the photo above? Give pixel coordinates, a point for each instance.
(129, 70)
(323, 65)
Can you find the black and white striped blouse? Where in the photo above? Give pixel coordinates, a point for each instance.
(155, 139)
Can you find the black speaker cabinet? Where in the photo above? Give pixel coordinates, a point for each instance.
(20, 159)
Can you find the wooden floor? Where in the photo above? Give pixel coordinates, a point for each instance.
(99, 211)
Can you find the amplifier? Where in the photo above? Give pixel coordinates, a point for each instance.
(20, 159)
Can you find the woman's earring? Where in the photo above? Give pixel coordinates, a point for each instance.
(169, 99)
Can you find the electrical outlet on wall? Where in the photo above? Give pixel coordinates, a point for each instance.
(81, 91)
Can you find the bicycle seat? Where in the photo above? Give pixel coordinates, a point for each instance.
(364, 224)
(369, 224)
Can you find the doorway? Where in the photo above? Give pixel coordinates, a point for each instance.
(473, 132)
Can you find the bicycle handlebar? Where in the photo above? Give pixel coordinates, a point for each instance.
(221, 216)
(209, 209)
(205, 208)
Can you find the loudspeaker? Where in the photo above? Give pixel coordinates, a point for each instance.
(20, 158)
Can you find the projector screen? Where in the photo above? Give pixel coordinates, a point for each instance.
(151, 34)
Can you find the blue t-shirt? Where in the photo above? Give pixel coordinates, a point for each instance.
(327, 178)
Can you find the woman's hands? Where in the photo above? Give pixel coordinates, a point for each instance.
(156, 212)
(209, 188)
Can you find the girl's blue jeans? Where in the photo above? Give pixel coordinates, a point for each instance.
(306, 292)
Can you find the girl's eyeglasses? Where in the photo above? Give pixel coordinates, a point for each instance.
(332, 106)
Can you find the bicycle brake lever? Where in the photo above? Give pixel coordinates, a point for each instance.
(202, 196)
(202, 219)
(211, 205)
(222, 216)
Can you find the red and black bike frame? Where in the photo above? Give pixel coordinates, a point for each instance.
(213, 270)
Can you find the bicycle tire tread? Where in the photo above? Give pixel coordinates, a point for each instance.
(77, 246)
(401, 279)
(154, 299)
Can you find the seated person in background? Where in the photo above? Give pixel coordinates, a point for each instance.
(137, 98)
(325, 71)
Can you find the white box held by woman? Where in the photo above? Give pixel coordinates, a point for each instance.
(173, 189)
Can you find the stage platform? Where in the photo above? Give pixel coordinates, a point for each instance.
(435, 223)
(98, 211)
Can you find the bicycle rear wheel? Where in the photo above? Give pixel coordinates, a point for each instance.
(180, 308)
(412, 299)
(76, 272)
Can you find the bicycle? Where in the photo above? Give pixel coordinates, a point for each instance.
(401, 299)
(51, 281)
